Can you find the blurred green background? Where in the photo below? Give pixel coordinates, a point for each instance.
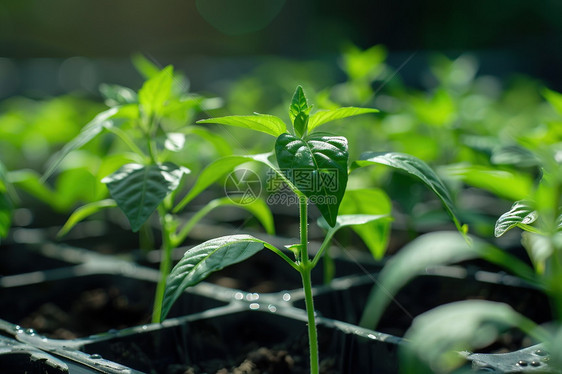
(460, 85)
(219, 39)
(455, 74)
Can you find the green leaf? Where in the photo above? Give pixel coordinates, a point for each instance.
(436, 337)
(300, 124)
(259, 209)
(299, 112)
(3, 178)
(30, 181)
(351, 220)
(494, 180)
(125, 113)
(299, 104)
(325, 116)
(75, 186)
(222, 147)
(203, 259)
(72, 186)
(363, 65)
(417, 168)
(90, 131)
(269, 124)
(144, 66)
(317, 166)
(438, 110)
(84, 212)
(554, 98)
(156, 91)
(540, 249)
(375, 234)
(5, 184)
(115, 94)
(6, 205)
(554, 347)
(139, 189)
(182, 109)
(174, 141)
(521, 212)
(514, 155)
(439, 248)
(213, 172)
(6, 209)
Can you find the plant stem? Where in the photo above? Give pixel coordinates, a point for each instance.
(555, 275)
(556, 262)
(305, 270)
(150, 133)
(127, 140)
(165, 263)
(151, 151)
(190, 224)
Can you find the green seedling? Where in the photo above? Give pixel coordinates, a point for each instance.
(363, 68)
(314, 156)
(146, 176)
(535, 182)
(539, 215)
(7, 196)
(30, 131)
(477, 323)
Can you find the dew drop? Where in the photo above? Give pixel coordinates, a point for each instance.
(252, 297)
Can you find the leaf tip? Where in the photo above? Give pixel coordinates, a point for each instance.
(62, 232)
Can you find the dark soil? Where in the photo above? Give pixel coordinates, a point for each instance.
(99, 309)
(258, 361)
(207, 352)
(94, 311)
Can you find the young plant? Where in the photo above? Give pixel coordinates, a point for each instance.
(537, 211)
(30, 131)
(314, 166)
(539, 215)
(6, 203)
(151, 125)
(540, 218)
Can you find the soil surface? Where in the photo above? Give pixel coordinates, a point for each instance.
(259, 361)
(216, 356)
(94, 311)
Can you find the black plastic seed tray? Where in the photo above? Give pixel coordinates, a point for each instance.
(211, 322)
